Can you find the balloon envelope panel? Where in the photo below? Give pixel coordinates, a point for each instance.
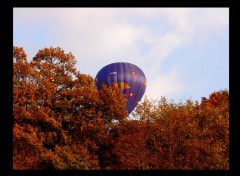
(128, 77)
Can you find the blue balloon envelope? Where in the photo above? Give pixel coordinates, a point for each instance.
(128, 77)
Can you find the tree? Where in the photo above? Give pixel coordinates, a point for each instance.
(61, 121)
(187, 135)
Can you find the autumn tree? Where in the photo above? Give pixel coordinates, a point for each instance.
(176, 135)
(25, 140)
(59, 115)
(61, 121)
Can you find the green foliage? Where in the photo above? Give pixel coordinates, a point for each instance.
(61, 121)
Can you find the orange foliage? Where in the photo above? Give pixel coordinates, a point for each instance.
(61, 121)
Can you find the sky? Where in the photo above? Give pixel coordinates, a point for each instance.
(184, 52)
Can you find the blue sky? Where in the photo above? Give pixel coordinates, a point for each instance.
(184, 52)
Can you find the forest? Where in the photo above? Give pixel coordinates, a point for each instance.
(61, 121)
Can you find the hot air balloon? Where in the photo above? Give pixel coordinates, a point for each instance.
(128, 77)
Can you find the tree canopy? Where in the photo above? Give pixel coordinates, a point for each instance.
(61, 121)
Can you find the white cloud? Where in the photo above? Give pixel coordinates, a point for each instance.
(164, 85)
(160, 49)
(95, 34)
(196, 23)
